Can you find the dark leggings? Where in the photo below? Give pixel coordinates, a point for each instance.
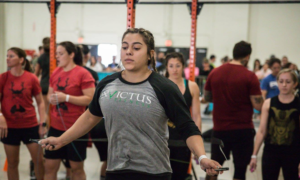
(277, 157)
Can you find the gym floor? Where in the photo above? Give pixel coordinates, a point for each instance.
(92, 164)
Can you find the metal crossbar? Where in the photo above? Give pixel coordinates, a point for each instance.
(159, 3)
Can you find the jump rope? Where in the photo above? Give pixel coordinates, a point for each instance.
(213, 141)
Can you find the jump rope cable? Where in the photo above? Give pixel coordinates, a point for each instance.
(62, 120)
(255, 174)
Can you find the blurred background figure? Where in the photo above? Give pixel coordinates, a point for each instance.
(160, 63)
(113, 67)
(256, 66)
(212, 60)
(263, 72)
(206, 68)
(284, 61)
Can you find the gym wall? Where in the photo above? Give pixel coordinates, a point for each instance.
(271, 28)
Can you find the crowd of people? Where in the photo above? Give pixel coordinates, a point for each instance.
(138, 111)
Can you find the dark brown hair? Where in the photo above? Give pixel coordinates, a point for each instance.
(22, 54)
(46, 44)
(71, 48)
(149, 41)
(176, 55)
(241, 50)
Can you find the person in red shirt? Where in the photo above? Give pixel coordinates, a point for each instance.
(71, 89)
(235, 91)
(18, 121)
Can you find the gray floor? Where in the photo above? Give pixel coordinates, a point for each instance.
(92, 164)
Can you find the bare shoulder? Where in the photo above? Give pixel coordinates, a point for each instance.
(193, 87)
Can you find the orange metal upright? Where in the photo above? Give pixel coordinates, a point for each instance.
(193, 40)
(52, 37)
(52, 63)
(130, 13)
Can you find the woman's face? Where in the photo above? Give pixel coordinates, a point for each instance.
(174, 68)
(62, 56)
(93, 60)
(286, 84)
(134, 52)
(256, 63)
(265, 67)
(13, 59)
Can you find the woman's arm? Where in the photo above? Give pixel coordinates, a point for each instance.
(3, 125)
(41, 109)
(82, 126)
(84, 100)
(37, 70)
(195, 104)
(261, 133)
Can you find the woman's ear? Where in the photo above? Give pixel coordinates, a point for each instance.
(22, 61)
(72, 55)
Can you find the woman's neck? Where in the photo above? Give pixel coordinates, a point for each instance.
(17, 71)
(69, 66)
(286, 98)
(177, 81)
(136, 76)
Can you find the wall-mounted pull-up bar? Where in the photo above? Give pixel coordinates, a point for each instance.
(161, 3)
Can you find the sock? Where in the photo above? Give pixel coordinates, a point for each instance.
(102, 178)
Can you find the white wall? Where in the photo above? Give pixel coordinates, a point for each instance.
(272, 29)
(2, 35)
(275, 29)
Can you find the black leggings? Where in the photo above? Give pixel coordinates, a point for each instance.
(276, 157)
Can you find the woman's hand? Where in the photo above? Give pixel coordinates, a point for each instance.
(51, 143)
(253, 164)
(57, 97)
(42, 130)
(3, 127)
(209, 166)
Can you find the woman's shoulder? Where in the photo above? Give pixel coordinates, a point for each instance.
(193, 86)
(161, 81)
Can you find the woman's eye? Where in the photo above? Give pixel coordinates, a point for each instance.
(137, 49)
(124, 48)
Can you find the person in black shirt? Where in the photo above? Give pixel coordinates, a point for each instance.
(42, 66)
(279, 128)
(206, 68)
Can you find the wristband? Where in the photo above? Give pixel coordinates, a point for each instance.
(1, 114)
(202, 157)
(67, 97)
(253, 156)
(43, 124)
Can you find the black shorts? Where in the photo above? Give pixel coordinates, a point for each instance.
(45, 88)
(99, 132)
(276, 157)
(180, 158)
(241, 143)
(136, 176)
(15, 136)
(75, 151)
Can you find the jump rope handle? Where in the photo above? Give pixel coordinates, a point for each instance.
(38, 142)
